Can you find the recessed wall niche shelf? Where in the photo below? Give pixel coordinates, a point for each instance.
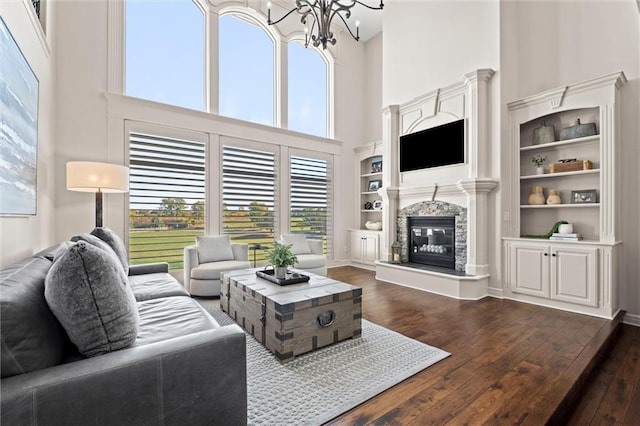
(579, 276)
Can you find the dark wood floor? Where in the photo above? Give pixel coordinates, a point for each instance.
(511, 363)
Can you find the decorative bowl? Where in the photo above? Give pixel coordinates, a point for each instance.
(374, 226)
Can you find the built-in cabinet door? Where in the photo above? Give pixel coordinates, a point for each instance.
(363, 246)
(355, 246)
(574, 274)
(563, 272)
(530, 271)
(370, 248)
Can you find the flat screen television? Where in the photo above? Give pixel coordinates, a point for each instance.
(438, 146)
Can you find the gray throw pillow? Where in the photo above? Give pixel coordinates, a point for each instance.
(213, 248)
(87, 291)
(115, 242)
(95, 241)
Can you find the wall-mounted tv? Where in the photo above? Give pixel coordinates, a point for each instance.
(434, 147)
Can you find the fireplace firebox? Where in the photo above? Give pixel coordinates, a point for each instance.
(432, 240)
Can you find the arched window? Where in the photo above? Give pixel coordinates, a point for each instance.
(307, 91)
(165, 52)
(246, 71)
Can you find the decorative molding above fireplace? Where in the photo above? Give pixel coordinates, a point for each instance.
(466, 185)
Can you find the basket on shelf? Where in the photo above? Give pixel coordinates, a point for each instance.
(571, 166)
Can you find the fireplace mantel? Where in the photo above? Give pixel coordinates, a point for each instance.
(467, 184)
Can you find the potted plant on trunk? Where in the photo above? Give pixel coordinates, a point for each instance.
(281, 257)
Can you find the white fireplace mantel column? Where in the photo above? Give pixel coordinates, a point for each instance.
(477, 191)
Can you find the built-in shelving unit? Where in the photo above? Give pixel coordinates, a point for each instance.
(577, 275)
(364, 243)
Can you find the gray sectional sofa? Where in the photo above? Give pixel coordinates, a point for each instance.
(181, 367)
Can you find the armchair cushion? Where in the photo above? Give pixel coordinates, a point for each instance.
(311, 261)
(212, 270)
(87, 290)
(213, 248)
(298, 241)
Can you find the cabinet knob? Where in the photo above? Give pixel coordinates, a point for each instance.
(554, 255)
(546, 254)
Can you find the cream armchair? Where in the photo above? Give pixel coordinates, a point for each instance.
(309, 253)
(204, 261)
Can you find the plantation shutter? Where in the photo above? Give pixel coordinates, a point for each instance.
(166, 197)
(311, 208)
(249, 195)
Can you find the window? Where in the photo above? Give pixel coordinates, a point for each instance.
(166, 197)
(310, 198)
(249, 196)
(165, 52)
(246, 71)
(307, 102)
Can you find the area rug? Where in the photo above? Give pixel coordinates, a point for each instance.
(319, 386)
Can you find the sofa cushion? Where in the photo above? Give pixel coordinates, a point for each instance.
(32, 337)
(211, 271)
(213, 248)
(154, 286)
(298, 242)
(88, 292)
(111, 238)
(169, 317)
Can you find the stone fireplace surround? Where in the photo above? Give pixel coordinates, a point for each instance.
(460, 190)
(436, 209)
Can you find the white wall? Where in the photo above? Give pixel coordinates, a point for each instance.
(373, 92)
(549, 44)
(431, 44)
(85, 132)
(22, 236)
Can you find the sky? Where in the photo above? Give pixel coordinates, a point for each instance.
(165, 62)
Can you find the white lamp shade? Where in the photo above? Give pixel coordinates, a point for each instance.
(88, 176)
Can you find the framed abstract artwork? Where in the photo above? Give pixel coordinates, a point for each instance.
(18, 129)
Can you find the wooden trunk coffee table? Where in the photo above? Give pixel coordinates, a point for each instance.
(294, 319)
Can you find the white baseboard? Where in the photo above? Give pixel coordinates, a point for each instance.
(632, 319)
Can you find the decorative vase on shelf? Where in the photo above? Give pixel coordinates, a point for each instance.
(554, 197)
(540, 170)
(565, 228)
(536, 197)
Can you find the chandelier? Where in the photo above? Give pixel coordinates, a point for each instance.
(317, 16)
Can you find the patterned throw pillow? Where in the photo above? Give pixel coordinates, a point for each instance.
(87, 291)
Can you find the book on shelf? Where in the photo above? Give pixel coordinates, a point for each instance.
(558, 236)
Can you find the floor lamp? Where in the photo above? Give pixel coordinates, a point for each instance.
(88, 176)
